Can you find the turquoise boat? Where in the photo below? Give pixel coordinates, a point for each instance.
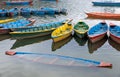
(8, 27)
(35, 31)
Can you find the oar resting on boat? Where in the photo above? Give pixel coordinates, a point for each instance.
(56, 59)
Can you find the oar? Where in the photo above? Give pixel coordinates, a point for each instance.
(68, 21)
(97, 63)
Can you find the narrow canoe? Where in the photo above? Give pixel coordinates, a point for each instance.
(62, 32)
(81, 29)
(101, 15)
(95, 46)
(8, 27)
(114, 32)
(54, 59)
(106, 3)
(35, 31)
(98, 31)
(19, 2)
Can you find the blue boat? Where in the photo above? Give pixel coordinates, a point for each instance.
(28, 2)
(98, 31)
(115, 32)
(25, 11)
(49, 0)
(110, 3)
(3, 12)
(13, 12)
(54, 59)
(35, 31)
(7, 27)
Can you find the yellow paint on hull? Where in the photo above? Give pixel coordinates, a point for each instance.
(62, 32)
(6, 20)
(61, 37)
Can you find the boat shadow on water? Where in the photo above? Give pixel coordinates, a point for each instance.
(28, 41)
(114, 44)
(94, 46)
(57, 45)
(4, 37)
(80, 41)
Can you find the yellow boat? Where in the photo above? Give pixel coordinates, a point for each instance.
(6, 20)
(62, 32)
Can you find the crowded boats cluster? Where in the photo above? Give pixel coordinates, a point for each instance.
(60, 30)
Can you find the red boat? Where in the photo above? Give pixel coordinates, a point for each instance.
(101, 15)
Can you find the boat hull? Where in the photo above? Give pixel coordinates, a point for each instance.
(4, 31)
(115, 38)
(30, 35)
(99, 15)
(106, 3)
(17, 2)
(97, 38)
(81, 35)
(56, 39)
(57, 45)
(6, 20)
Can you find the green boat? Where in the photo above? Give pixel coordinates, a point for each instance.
(36, 31)
(80, 29)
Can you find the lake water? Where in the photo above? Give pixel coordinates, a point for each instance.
(104, 50)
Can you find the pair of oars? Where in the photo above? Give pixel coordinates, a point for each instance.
(95, 63)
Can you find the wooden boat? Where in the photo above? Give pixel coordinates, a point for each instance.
(114, 44)
(54, 59)
(105, 3)
(81, 29)
(49, 0)
(28, 41)
(114, 31)
(8, 27)
(6, 20)
(13, 12)
(62, 32)
(80, 41)
(18, 2)
(101, 15)
(95, 46)
(3, 12)
(98, 31)
(57, 45)
(41, 30)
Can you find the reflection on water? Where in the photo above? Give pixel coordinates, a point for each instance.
(23, 42)
(114, 44)
(3, 37)
(57, 45)
(94, 46)
(109, 9)
(80, 41)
